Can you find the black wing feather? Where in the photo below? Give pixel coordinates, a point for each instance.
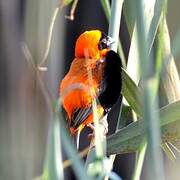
(110, 88)
(79, 116)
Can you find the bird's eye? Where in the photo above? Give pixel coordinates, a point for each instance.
(103, 44)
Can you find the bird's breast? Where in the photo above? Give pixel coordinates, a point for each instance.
(76, 86)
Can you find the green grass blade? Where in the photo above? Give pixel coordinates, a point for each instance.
(125, 110)
(152, 16)
(77, 164)
(107, 9)
(140, 160)
(131, 92)
(114, 24)
(175, 45)
(170, 77)
(130, 137)
(53, 167)
(158, 45)
(170, 133)
(151, 118)
(129, 14)
(66, 2)
(159, 7)
(170, 154)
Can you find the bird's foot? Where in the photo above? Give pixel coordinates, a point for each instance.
(103, 128)
(104, 125)
(91, 135)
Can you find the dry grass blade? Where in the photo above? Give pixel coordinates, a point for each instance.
(170, 79)
(48, 45)
(73, 8)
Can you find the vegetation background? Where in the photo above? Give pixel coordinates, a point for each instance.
(25, 116)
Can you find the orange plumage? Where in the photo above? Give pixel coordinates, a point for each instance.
(76, 85)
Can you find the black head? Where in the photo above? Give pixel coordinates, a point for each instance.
(105, 42)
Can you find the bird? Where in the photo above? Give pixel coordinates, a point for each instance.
(92, 54)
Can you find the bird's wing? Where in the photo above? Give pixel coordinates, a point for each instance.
(111, 84)
(79, 116)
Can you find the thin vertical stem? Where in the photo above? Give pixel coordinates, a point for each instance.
(114, 25)
(53, 165)
(114, 28)
(107, 11)
(106, 8)
(155, 164)
(139, 161)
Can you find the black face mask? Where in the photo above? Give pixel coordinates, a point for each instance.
(105, 42)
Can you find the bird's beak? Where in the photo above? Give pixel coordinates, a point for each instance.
(110, 41)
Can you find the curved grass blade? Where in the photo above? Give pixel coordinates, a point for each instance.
(130, 137)
(131, 93)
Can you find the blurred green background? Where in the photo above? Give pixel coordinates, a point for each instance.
(25, 117)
